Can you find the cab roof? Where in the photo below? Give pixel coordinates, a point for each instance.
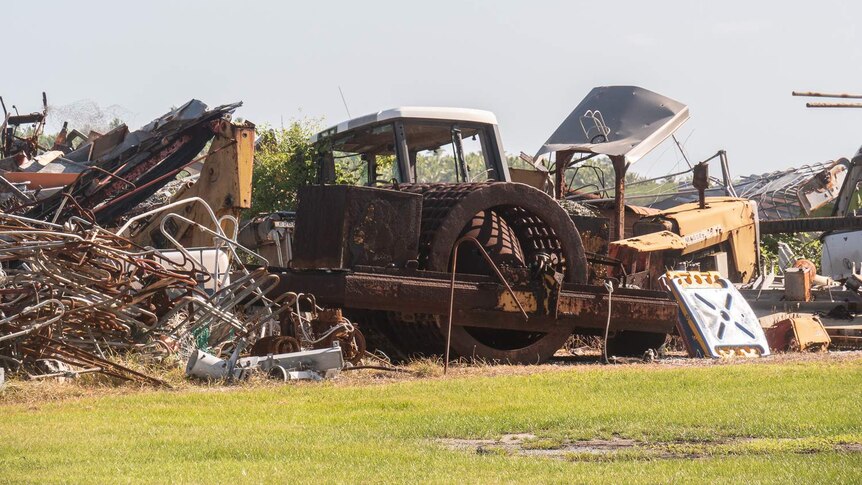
(412, 112)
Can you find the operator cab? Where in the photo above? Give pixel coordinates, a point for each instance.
(412, 145)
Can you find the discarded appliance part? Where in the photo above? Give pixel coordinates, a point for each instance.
(326, 362)
(303, 375)
(717, 322)
(272, 235)
(842, 251)
(207, 366)
(842, 254)
(795, 333)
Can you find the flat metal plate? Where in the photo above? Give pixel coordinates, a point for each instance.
(717, 322)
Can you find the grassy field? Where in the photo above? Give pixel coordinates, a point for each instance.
(797, 421)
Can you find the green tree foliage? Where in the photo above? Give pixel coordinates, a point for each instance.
(803, 245)
(353, 170)
(596, 175)
(284, 161)
(440, 167)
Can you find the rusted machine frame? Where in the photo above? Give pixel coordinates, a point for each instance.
(564, 161)
(480, 301)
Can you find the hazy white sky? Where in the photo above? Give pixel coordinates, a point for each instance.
(733, 62)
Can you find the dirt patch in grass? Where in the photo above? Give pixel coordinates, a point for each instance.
(618, 449)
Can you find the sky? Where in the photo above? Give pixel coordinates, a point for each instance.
(734, 63)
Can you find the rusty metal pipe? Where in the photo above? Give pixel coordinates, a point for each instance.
(833, 105)
(815, 94)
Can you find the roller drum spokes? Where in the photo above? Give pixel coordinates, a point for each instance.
(517, 225)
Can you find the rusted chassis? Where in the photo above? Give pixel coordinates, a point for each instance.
(482, 302)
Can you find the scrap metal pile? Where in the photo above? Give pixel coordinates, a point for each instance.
(783, 194)
(75, 295)
(136, 167)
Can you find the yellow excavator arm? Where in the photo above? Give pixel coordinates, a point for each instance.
(225, 183)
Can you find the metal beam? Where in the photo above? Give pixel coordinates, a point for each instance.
(620, 168)
(810, 224)
(480, 301)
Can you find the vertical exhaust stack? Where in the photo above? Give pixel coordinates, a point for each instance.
(701, 182)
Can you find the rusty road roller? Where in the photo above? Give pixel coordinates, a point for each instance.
(397, 191)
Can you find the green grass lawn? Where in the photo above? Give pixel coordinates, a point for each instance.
(805, 419)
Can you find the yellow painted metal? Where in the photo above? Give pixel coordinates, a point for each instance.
(723, 219)
(810, 333)
(700, 279)
(656, 241)
(225, 183)
(527, 299)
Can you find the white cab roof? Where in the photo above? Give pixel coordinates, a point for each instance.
(414, 112)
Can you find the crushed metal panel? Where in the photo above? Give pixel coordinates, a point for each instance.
(780, 194)
(797, 333)
(618, 121)
(717, 321)
(822, 188)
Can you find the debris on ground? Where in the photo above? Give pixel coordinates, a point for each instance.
(795, 333)
(314, 364)
(717, 321)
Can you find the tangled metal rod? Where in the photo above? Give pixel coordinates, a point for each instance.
(71, 293)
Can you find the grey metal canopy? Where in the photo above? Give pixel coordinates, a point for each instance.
(623, 121)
